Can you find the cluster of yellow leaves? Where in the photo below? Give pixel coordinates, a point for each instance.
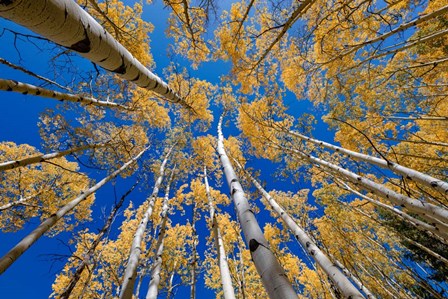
(126, 24)
(358, 241)
(198, 196)
(148, 109)
(197, 93)
(106, 264)
(40, 190)
(187, 25)
(257, 122)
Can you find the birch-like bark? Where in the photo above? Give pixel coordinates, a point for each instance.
(408, 173)
(67, 24)
(339, 279)
(431, 229)
(45, 157)
(77, 274)
(426, 249)
(154, 283)
(127, 286)
(226, 279)
(21, 201)
(32, 237)
(271, 272)
(435, 215)
(353, 278)
(28, 89)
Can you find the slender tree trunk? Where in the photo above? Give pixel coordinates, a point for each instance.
(226, 279)
(67, 24)
(127, 286)
(435, 215)
(154, 283)
(333, 272)
(423, 226)
(32, 237)
(28, 89)
(169, 289)
(271, 272)
(408, 173)
(45, 157)
(77, 275)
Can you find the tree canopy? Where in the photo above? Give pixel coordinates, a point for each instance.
(250, 149)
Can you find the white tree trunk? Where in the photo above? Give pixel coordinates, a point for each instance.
(333, 272)
(154, 283)
(408, 173)
(355, 279)
(435, 215)
(226, 279)
(67, 24)
(45, 157)
(127, 286)
(32, 237)
(271, 272)
(28, 89)
(431, 229)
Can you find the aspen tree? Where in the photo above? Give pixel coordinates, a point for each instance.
(78, 271)
(128, 279)
(272, 274)
(67, 24)
(28, 89)
(153, 288)
(226, 280)
(12, 255)
(341, 281)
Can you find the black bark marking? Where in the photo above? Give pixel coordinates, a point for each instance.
(434, 184)
(155, 86)
(253, 245)
(308, 244)
(9, 89)
(136, 78)
(233, 181)
(25, 92)
(38, 92)
(122, 68)
(233, 191)
(82, 46)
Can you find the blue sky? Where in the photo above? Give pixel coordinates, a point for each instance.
(32, 275)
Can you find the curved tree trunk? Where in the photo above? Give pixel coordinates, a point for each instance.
(226, 279)
(154, 283)
(32, 237)
(26, 89)
(333, 272)
(271, 272)
(67, 24)
(127, 286)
